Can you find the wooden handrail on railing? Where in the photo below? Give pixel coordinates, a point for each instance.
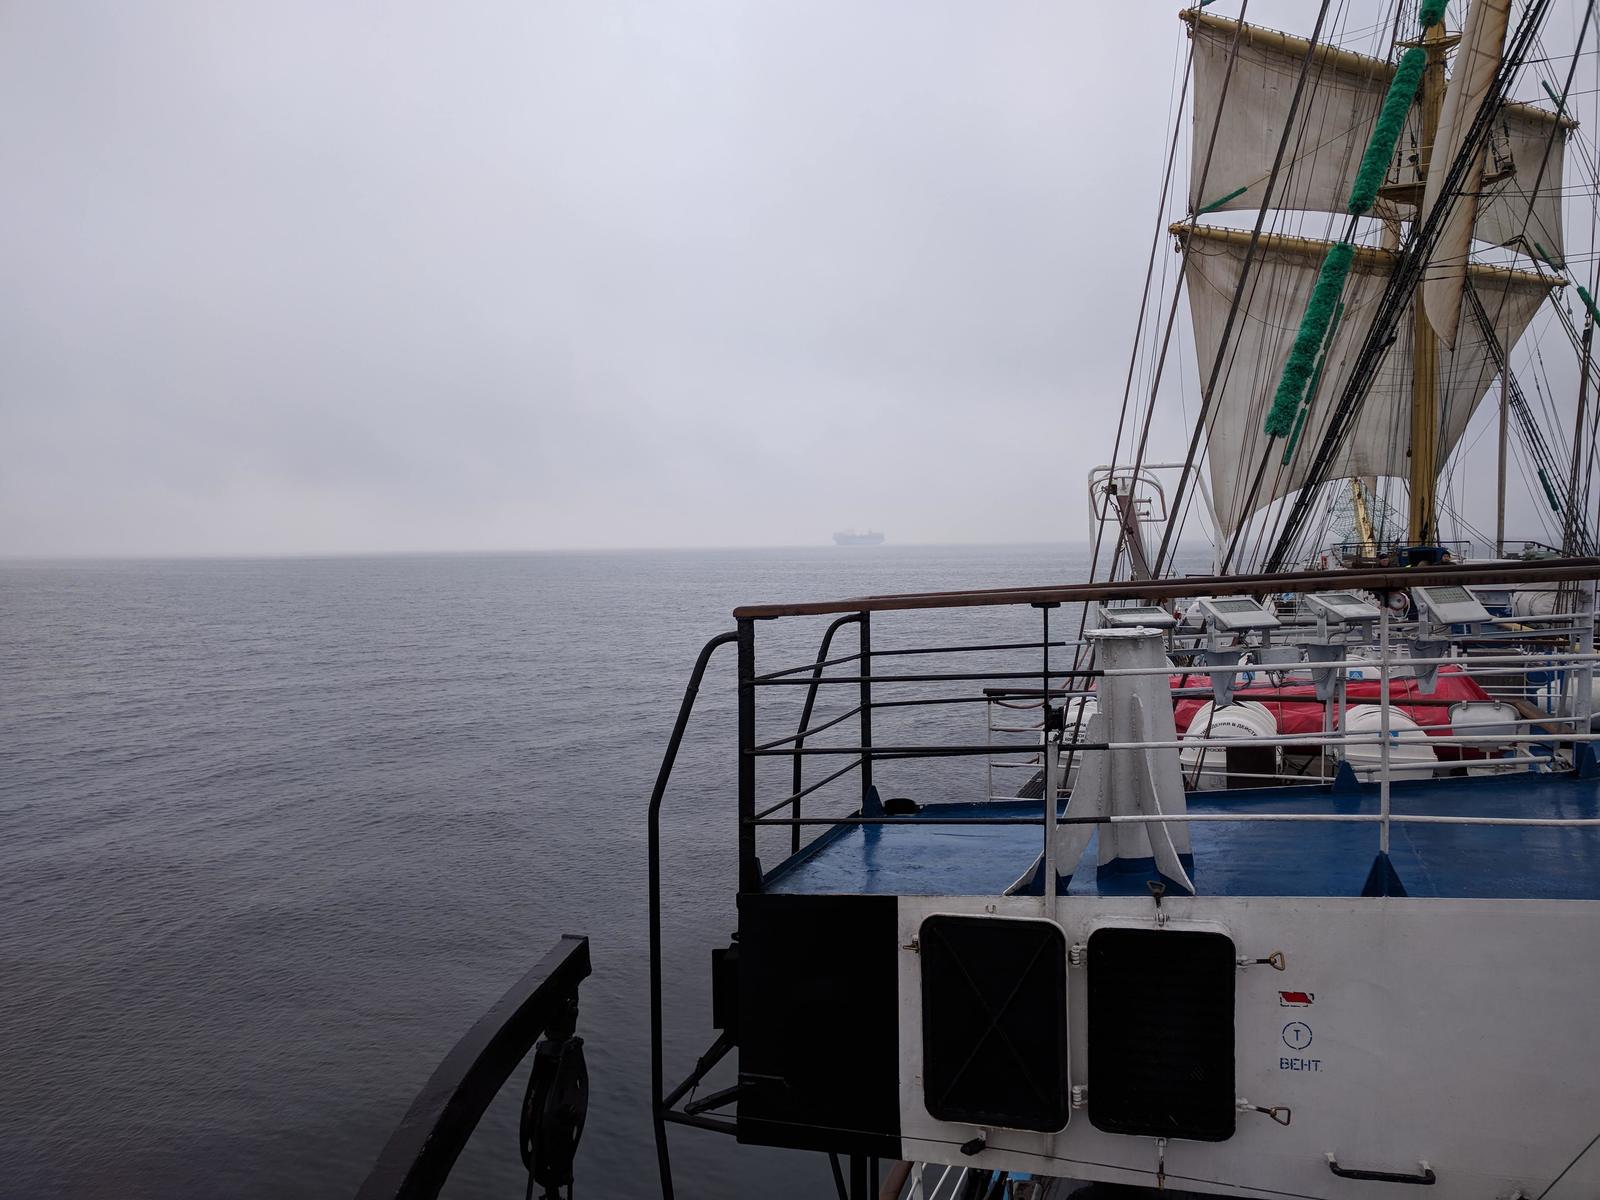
(1182, 587)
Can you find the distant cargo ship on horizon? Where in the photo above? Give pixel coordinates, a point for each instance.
(853, 538)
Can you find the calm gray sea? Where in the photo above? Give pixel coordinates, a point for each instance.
(273, 833)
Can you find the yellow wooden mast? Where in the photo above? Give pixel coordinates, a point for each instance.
(1366, 535)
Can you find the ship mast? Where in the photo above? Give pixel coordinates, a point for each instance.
(1422, 517)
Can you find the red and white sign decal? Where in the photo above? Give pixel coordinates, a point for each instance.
(1296, 999)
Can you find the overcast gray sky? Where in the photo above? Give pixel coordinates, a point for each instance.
(405, 275)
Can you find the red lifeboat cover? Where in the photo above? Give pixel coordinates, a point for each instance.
(1298, 711)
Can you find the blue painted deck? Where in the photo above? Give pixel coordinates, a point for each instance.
(1251, 859)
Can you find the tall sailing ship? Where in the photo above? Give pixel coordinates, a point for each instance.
(1281, 881)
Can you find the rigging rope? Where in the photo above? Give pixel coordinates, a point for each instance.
(1209, 394)
(1414, 255)
(1282, 550)
(1293, 399)
(1287, 416)
(1533, 439)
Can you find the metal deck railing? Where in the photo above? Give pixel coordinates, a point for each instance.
(1546, 660)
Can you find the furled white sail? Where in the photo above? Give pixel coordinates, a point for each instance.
(1281, 282)
(1483, 42)
(1330, 132)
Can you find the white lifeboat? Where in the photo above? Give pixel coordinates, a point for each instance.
(1205, 768)
(1485, 718)
(1534, 602)
(1411, 756)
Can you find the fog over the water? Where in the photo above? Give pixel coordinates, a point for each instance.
(401, 275)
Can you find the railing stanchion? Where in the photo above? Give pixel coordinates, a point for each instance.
(749, 864)
(1344, 713)
(988, 791)
(805, 719)
(866, 708)
(653, 828)
(1583, 708)
(1383, 727)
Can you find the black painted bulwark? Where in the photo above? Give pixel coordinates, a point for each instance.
(416, 1160)
(819, 1052)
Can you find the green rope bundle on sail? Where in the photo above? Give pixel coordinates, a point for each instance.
(1386, 131)
(1549, 492)
(1548, 257)
(1220, 201)
(1588, 300)
(1327, 344)
(1311, 388)
(1431, 14)
(1308, 340)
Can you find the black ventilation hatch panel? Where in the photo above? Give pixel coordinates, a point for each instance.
(1160, 1035)
(994, 1022)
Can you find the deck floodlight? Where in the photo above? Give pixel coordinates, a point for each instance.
(1438, 608)
(1340, 608)
(1449, 605)
(1140, 616)
(1236, 614)
(1342, 619)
